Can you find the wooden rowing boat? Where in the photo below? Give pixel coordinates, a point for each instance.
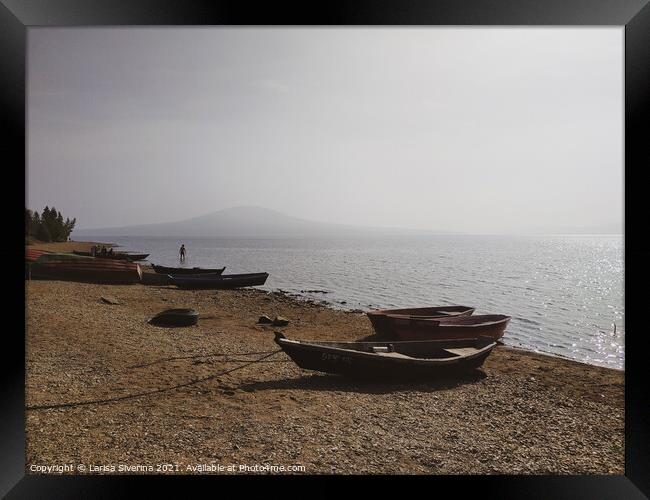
(134, 256)
(185, 270)
(217, 281)
(31, 254)
(459, 327)
(71, 267)
(388, 360)
(114, 255)
(382, 322)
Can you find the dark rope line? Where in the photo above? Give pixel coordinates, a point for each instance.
(234, 360)
(209, 355)
(147, 393)
(263, 361)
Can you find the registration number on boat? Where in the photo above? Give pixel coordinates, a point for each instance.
(336, 358)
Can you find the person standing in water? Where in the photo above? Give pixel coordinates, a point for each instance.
(182, 253)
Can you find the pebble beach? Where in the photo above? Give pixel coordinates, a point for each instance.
(111, 392)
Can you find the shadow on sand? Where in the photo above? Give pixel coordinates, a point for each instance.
(337, 383)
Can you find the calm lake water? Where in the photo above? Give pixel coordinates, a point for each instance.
(564, 293)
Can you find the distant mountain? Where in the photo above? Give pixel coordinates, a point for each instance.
(249, 222)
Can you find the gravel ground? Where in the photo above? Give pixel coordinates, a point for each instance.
(522, 413)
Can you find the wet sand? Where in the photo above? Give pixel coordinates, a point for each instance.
(522, 413)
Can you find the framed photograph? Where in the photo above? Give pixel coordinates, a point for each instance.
(361, 240)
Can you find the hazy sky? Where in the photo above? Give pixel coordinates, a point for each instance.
(464, 129)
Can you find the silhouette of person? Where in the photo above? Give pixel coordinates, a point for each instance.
(182, 253)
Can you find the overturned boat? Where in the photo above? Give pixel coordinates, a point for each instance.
(388, 360)
(175, 317)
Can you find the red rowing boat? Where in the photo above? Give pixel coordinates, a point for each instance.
(382, 321)
(31, 254)
(459, 327)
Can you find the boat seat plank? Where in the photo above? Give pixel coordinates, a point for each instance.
(394, 355)
(461, 351)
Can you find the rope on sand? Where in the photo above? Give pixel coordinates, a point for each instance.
(208, 355)
(146, 393)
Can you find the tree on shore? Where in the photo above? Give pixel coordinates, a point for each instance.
(48, 226)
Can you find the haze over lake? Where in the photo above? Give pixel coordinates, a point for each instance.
(248, 222)
(384, 154)
(564, 292)
(473, 130)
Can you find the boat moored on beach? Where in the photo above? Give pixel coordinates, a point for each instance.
(114, 255)
(186, 270)
(72, 267)
(217, 281)
(388, 360)
(31, 254)
(134, 256)
(382, 322)
(458, 327)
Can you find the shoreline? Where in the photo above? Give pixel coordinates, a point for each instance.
(303, 298)
(335, 306)
(332, 305)
(521, 413)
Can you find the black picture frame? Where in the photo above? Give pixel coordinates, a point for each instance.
(16, 16)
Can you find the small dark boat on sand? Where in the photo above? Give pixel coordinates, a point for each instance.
(82, 253)
(132, 257)
(388, 360)
(217, 281)
(175, 317)
(185, 270)
(458, 327)
(382, 323)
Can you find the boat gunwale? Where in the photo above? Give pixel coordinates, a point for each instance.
(454, 322)
(407, 359)
(398, 311)
(158, 269)
(216, 276)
